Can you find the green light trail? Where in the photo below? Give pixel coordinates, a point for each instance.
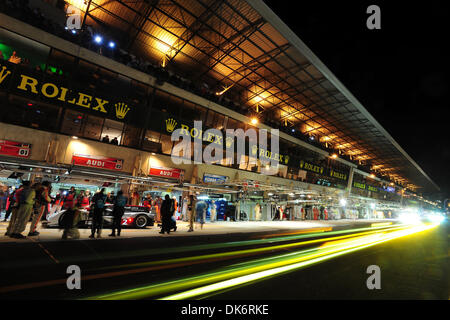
(247, 272)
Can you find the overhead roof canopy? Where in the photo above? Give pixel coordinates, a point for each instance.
(243, 48)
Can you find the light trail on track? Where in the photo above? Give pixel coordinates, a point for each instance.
(247, 272)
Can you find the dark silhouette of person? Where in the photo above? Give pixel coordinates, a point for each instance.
(166, 214)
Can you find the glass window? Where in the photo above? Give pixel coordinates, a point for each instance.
(175, 106)
(190, 112)
(72, 122)
(131, 136)
(28, 52)
(151, 141)
(156, 121)
(166, 144)
(219, 121)
(161, 101)
(93, 127)
(60, 63)
(87, 74)
(112, 129)
(210, 119)
(138, 93)
(34, 114)
(106, 82)
(234, 124)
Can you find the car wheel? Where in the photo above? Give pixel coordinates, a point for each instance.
(140, 221)
(60, 221)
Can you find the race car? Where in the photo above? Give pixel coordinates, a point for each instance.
(134, 216)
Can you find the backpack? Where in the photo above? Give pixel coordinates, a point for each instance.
(121, 201)
(23, 196)
(100, 202)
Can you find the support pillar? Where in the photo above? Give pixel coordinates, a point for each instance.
(350, 181)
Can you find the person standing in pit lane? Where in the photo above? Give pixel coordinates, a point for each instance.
(26, 202)
(84, 199)
(13, 206)
(167, 210)
(118, 211)
(11, 201)
(71, 219)
(98, 206)
(41, 204)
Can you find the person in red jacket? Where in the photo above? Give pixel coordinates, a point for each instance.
(69, 199)
(84, 200)
(316, 213)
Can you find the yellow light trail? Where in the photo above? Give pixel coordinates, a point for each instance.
(313, 259)
(237, 253)
(182, 262)
(259, 269)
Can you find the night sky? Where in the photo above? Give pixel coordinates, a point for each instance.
(399, 73)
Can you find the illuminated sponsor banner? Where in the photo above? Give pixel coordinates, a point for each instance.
(372, 188)
(212, 178)
(338, 175)
(262, 153)
(166, 172)
(33, 86)
(311, 167)
(97, 162)
(171, 125)
(359, 185)
(15, 149)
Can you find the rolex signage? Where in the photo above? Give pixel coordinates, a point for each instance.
(359, 185)
(338, 175)
(266, 154)
(170, 125)
(49, 89)
(311, 167)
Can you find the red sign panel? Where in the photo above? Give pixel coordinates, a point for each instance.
(166, 172)
(97, 162)
(16, 149)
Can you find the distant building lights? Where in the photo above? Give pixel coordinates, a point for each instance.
(111, 44)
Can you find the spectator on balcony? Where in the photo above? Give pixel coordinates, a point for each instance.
(115, 141)
(105, 139)
(14, 58)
